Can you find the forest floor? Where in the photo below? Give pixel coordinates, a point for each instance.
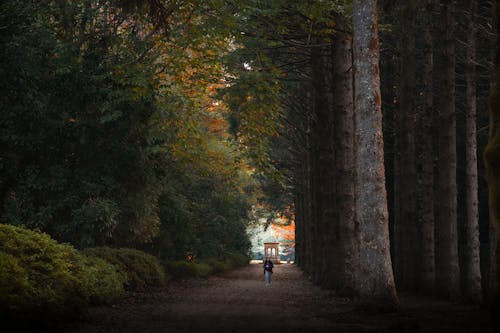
(238, 301)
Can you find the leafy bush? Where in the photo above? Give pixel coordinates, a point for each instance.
(95, 220)
(104, 280)
(218, 266)
(180, 269)
(202, 270)
(183, 269)
(237, 259)
(141, 269)
(14, 285)
(42, 279)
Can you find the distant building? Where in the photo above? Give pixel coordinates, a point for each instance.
(272, 252)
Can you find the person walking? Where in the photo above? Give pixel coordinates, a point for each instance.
(268, 271)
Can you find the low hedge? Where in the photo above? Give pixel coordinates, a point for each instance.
(218, 266)
(183, 270)
(141, 269)
(105, 281)
(206, 267)
(41, 279)
(237, 259)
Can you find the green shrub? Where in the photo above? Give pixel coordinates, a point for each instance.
(184, 270)
(51, 270)
(202, 270)
(42, 279)
(15, 288)
(141, 269)
(180, 269)
(237, 259)
(218, 266)
(104, 280)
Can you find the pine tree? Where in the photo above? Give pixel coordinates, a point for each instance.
(472, 261)
(447, 265)
(375, 281)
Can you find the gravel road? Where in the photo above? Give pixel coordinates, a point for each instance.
(239, 301)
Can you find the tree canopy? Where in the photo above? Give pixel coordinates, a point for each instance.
(112, 131)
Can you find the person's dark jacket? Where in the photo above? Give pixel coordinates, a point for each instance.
(269, 265)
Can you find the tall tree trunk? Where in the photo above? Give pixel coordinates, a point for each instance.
(492, 158)
(425, 214)
(311, 223)
(472, 261)
(299, 222)
(375, 281)
(405, 228)
(323, 110)
(343, 232)
(447, 266)
(494, 116)
(308, 228)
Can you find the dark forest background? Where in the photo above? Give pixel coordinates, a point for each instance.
(171, 126)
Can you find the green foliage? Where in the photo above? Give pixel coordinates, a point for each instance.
(237, 259)
(14, 285)
(218, 266)
(104, 281)
(107, 135)
(183, 269)
(76, 98)
(270, 72)
(96, 218)
(42, 279)
(141, 269)
(269, 88)
(205, 210)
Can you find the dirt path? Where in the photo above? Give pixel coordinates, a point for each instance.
(240, 302)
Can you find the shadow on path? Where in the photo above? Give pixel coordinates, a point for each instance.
(239, 301)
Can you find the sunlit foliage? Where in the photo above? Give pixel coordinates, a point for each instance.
(111, 132)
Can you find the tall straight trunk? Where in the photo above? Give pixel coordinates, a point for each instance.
(374, 276)
(491, 156)
(300, 175)
(311, 223)
(472, 261)
(447, 265)
(316, 177)
(427, 276)
(405, 228)
(308, 199)
(325, 204)
(494, 132)
(343, 232)
(494, 116)
(299, 222)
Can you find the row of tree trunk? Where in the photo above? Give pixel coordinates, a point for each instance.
(342, 219)
(435, 250)
(345, 238)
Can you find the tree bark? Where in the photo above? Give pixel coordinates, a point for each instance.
(425, 214)
(447, 265)
(311, 197)
(374, 278)
(472, 260)
(491, 156)
(343, 232)
(299, 222)
(325, 191)
(405, 228)
(307, 229)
